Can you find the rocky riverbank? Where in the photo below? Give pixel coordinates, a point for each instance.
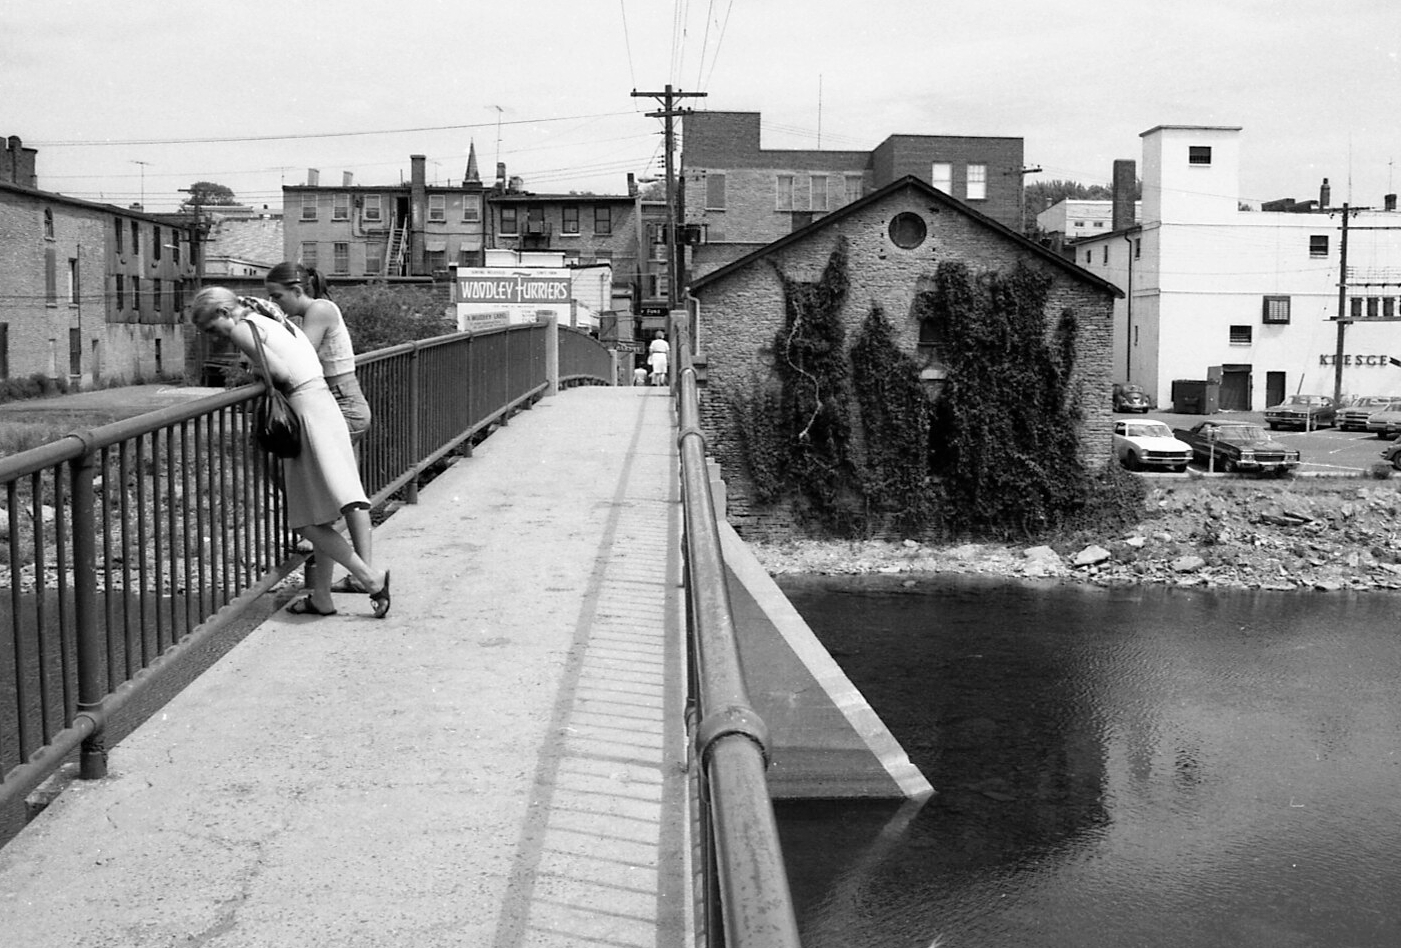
(1304, 533)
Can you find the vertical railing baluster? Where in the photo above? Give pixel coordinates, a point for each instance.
(91, 674)
(41, 631)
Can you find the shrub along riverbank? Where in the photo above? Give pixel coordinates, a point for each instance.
(1301, 533)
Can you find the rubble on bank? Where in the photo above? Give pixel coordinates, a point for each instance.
(1304, 533)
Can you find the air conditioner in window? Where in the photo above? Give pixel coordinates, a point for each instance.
(537, 227)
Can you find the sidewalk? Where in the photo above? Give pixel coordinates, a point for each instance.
(500, 762)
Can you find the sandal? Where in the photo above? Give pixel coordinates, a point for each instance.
(305, 607)
(347, 584)
(380, 600)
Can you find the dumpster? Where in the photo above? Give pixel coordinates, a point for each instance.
(1194, 396)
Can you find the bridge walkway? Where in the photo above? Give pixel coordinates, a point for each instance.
(500, 762)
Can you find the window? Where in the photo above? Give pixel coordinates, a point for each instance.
(72, 279)
(1355, 307)
(437, 207)
(136, 297)
(907, 230)
(308, 253)
(1318, 245)
(340, 258)
(1079, 224)
(1137, 248)
(121, 292)
(715, 192)
(471, 208)
(603, 256)
(157, 291)
(603, 220)
(1198, 154)
(1087, 256)
(308, 207)
(1388, 308)
(119, 234)
(1099, 224)
(977, 182)
(941, 176)
(1106, 254)
(819, 192)
(435, 260)
(373, 210)
(570, 224)
(50, 277)
(464, 257)
(1276, 309)
(1373, 306)
(374, 257)
(783, 193)
(509, 223)
(179, 300)
(1240, 335)
(4, 350)
(854, 186)
(340, 206)
(156, 241)
(48, 224)
(135, 240)
(75, 351)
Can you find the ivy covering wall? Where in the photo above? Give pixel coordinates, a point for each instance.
(851, 438)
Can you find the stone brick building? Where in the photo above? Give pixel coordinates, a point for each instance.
(88, 292)
(737, 197)
(895, 237)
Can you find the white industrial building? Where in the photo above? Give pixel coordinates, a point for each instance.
(1246, 299)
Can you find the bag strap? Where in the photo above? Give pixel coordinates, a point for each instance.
(268, 380)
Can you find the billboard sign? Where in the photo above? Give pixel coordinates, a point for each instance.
(490, 297)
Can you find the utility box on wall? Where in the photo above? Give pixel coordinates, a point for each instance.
(1195, 396)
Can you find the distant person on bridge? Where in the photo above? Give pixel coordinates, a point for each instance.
(639, 375)
(657, 354)
(322, 483)
(302, 293)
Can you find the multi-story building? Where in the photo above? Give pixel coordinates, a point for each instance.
(88, 292)
(1074, 218)
(1247, 299)
(356, 232)
(736, 196)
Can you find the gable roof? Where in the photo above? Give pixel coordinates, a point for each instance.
(927, 191)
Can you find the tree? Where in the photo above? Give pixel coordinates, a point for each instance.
(206, 193)
(1040, 195)
(379, 315)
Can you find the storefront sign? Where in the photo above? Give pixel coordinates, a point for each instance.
(1332, 359)
(535, 287)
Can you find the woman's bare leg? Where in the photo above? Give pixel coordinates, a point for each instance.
(331, 545)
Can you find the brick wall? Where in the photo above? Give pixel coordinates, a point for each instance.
(741, 313)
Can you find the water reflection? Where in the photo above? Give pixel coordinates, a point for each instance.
(1114, 767)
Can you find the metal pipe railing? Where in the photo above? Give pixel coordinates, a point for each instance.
(746, 898)
(131, 542)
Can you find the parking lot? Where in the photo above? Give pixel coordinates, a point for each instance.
(1323, 452)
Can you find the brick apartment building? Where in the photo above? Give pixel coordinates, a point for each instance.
(737, 196)
(88, 292)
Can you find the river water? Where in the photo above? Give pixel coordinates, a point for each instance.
(1114, 768)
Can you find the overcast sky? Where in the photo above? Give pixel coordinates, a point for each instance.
(142, 98)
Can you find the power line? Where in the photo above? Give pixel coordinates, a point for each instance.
(292, 138)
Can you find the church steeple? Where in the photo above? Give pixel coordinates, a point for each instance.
(472, 177)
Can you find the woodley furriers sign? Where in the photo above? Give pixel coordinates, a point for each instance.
(533, 287)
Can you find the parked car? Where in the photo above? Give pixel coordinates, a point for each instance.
(1392, 454)
(1231, 446)
(1149, 444)
(1130, 398)
(1353, 416)
(1385, 423)
(1302, 411)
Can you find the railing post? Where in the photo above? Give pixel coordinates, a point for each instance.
(552, 355)
(415, 426)
(92, 678)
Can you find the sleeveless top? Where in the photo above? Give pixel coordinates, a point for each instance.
(292, 347)
(336, 352)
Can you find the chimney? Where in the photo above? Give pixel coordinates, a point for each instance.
(1125, 176)
(1389, 202)
(632, 184)
(313, 177)
(347, 179)
(17, 164)
(501, 174)
(1323, 194)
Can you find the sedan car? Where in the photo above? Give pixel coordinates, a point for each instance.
(1353, 416)
(1149, 444)
(1385, 423)
(1302, 411)
(1130, 398)
(1238, 446)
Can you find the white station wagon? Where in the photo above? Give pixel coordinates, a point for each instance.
(1148, 443)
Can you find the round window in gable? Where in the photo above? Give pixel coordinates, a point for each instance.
(907, 230)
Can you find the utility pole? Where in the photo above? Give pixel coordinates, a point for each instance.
(668, 112)
(1342, 315)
